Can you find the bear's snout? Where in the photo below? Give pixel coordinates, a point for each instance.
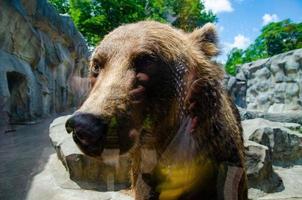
(88, 132)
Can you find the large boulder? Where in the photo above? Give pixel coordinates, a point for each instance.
(273, 159)
(284, 143)
(53, 183)
(260, 172)
(110, 172)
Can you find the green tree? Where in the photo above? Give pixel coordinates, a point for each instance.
(235, 57)
(275, 38)
(62, 6)
(189, 14)
(96, 18)
(282, 36)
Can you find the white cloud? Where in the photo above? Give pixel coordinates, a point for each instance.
(240, 41)
(217, 6)
(268, 18)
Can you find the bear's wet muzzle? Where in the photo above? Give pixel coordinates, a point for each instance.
(88, 132)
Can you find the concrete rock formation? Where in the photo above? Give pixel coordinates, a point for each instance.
(268, 93)
(42, 58)
(53, 183)
(260, 170)
(272, 85)
(273, 158)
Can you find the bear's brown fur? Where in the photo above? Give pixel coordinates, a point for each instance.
(157, 77)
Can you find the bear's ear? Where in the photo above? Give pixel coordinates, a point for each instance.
(206, 38)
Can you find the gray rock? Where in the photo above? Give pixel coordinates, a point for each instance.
(292, 181)
(110, 172)
(255, 66)
(283, 143)
(263, 73)
(231, 83)
(292, 65)
(263, 99)
(240, 76)
(292, 89)
(259, 168)
(293, 126)
(280, 77)
(237, 90)
(292, 117)
(53, 183)
(276, 80)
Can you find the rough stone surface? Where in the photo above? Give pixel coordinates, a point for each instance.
(272, 85)
(110, 172)
(53, 183)
(292, 181)
(273, 153)
(237, 89)
(284, 144)
(41, 54)
(259, 168)
(292, 117)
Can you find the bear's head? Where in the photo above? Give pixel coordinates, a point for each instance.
(146, 77)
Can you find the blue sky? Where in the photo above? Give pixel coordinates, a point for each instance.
(240, 21)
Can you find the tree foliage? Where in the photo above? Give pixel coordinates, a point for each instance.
(62, 6)
(96, 18)
(275, 38)
(189, 14)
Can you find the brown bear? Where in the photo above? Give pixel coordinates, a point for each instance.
(158, 89)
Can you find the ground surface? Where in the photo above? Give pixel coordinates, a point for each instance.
(23, 154)
(30, 170)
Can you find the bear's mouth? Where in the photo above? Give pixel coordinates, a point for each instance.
(90, 148)
(93, 134)
(88, 132)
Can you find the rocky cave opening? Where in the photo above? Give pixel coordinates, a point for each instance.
(19, 97)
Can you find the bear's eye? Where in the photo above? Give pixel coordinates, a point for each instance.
(145, 63)
(95, 69)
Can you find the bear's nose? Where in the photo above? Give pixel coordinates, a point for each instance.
(88, 132)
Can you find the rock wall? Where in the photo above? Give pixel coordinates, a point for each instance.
(42, 58)
(269, 95)
(272, 85)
